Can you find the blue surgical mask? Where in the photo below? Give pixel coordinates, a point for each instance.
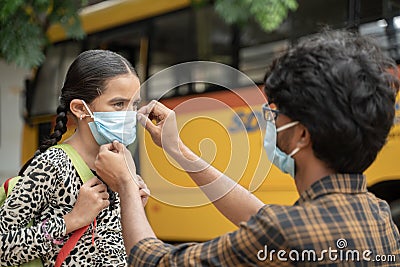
(279, 158)
(113, 125)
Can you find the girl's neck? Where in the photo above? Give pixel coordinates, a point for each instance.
(86, 146)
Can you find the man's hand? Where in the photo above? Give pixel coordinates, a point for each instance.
(144, 191)
(114, 164)
(164, 132)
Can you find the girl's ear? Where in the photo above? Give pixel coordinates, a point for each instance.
(78, 109)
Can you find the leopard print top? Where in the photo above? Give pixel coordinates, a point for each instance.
(48, 190)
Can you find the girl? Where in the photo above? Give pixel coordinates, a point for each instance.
(101, 93)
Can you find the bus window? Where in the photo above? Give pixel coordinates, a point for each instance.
(131, 41)
(330, 12)
(257, 49)
(254, 60)
(376, 29)
(187, 35)
(370, 10)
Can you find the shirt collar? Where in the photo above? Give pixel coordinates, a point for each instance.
(336, 183)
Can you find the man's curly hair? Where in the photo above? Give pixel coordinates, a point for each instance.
(342, 88)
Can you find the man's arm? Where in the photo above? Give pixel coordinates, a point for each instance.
(135, 225)
(116, 167)
(240, 248)
(220, 189)
(247, 246)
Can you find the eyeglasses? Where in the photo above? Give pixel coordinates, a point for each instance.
(269, 113)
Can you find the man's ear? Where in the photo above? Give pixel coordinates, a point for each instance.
(78, 109)
(304, 136)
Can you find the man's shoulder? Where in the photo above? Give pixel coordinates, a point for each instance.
(285, 215)
(320, 223)
(298, 222)
(282, 210)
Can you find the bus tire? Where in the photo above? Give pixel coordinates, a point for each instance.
(395, 209)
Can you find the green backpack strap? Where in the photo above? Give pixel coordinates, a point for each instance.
(3, 195)
(8, 185)
(80, 165)
(84, 172)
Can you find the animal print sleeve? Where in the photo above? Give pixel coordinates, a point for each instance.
(19, 243)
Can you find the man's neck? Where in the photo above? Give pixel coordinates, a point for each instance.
(312, 171)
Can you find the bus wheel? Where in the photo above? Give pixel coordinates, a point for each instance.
(395, 209)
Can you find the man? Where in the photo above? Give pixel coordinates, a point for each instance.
(333, 97)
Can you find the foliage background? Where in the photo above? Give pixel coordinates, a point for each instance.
(269, 14)
(24, 23)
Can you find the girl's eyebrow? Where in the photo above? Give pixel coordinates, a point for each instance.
(119, 99)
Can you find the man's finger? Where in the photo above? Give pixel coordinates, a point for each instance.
(160, 112)
(145, 110)
(144, 192)
(146, 123)
(142, 186)
(139, 178)
(148, 109)
(155, 110)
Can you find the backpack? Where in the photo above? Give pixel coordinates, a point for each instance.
(85, 174)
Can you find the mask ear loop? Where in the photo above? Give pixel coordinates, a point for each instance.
(294, 151)
(287, 126)
(88, 109)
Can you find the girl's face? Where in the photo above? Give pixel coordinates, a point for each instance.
(121, 93)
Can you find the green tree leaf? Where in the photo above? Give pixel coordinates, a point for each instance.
(24, 24)
(268, 13)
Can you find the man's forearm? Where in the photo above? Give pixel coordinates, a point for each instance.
(135, 225)
(223, 191)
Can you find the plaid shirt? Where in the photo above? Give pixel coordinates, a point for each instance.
(335, 222)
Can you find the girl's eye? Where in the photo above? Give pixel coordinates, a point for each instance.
(119, 104)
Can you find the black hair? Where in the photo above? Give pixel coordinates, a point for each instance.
(342, 88)
(86, 79)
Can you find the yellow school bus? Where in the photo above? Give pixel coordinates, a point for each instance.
(173, 221)
(224, 126)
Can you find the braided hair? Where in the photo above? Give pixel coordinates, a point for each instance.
(86, 79)
(59, 129)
